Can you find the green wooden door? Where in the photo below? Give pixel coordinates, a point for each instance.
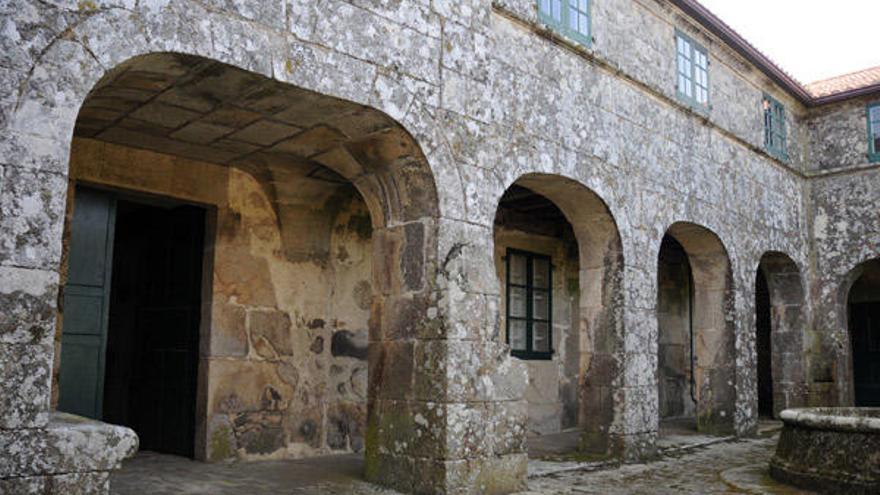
(85, 304)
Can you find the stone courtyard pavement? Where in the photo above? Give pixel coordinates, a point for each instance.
(732, 467)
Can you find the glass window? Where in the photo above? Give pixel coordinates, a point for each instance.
(570, 17)
(693, 71)
(874, 132)
(529, 305)
(775, 137)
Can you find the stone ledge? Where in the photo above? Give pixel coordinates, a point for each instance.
(68, 444)
(864, 420)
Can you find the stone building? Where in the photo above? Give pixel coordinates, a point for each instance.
(423, 230)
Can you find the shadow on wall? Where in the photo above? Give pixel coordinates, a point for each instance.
(559, 261)
(697, 365)
(320, 214)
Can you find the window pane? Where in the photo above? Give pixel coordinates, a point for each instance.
(876, 143)
(517, 302)
(875, 114)
(518, 335)
(541, 273)
(540, 305)
(682, 63)
(585, 5)
(544, 7)
(557, 10)
(585, 25)
(518, 269)
(541, 337)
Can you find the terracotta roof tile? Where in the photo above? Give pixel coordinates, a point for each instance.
(846, 82)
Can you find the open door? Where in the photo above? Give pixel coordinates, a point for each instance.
(86, 304)
(132, 306)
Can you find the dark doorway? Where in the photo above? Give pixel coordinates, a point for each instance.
(675, 320)
(153, 329)
(763, 343)
(865, 330)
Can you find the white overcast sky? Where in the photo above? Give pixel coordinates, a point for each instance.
(810, 39)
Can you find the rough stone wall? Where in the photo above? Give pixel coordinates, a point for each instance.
(845, 226)
(838, 135)
(283, 350)
(552, 392)
(489, 96)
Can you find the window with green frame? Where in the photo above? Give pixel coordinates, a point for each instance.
(693, 71)
(775, 139)
(874, 132)
(570, 17)
(529, 305)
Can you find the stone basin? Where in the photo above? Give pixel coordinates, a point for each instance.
(829, 450)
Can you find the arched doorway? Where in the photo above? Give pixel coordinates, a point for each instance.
(780, 324)
(696, 363)
(310, 219)
(863, 305)
(559, 263)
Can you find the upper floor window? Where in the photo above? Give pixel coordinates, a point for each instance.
(693, 71)
(874, 132)
(529, 305)
(775, 139)
(570, 17)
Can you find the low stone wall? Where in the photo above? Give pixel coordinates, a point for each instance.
(70, 455)
(831, 450)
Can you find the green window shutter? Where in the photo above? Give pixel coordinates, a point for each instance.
(775, 136)
(529, 305)
(873, 116)
(569, 17)
(692, 63)
(86, 302)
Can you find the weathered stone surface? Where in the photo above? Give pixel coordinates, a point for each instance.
(463, 99)
(67, 444)
(27, 305)
(26, 371)
(831, 450)
(31, 218)
(270, 332)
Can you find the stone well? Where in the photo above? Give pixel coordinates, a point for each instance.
(831, 450)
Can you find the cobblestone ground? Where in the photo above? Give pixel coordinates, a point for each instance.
(726, 468)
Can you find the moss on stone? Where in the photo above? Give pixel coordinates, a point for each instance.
(221, 447)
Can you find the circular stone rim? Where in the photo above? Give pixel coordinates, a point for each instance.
(835, 418)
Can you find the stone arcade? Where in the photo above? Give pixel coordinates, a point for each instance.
(424, 230)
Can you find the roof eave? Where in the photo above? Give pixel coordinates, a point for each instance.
(845, 95)
(733, 39)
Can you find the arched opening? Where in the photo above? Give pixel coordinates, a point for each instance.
(764, 346)
(696, 365)
(863, 304)
(780, 323)
(238, 255)
(559, 260)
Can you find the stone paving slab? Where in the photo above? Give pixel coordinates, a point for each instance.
(733, 467)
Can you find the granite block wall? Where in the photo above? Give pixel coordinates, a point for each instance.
(484, 95)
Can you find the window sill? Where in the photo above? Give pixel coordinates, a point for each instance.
(693, 105)
(573, 36)
(532, 356)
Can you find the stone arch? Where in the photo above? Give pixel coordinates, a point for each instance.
(787, 318)
(273, 136)
(709, 329)
(860, 285)
(597, 315)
